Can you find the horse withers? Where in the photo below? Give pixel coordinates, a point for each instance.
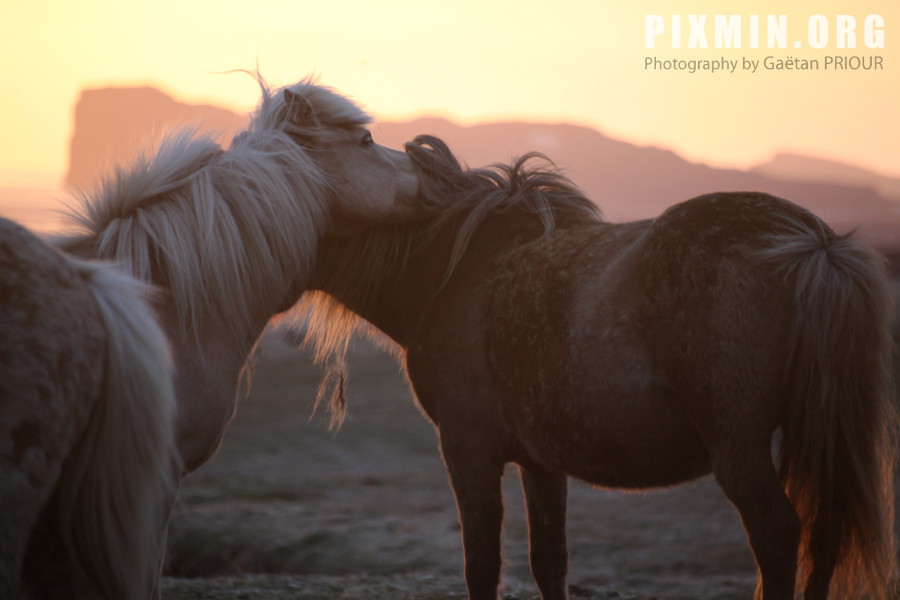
(87, 408)
(637, 355)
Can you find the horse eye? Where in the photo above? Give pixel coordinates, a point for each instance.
(367, 139)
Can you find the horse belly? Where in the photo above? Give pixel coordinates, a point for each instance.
(577, 383)
(584, 399)
(612, 437)
(637, 442)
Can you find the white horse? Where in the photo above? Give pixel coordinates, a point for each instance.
(87, 412)
(231, 235)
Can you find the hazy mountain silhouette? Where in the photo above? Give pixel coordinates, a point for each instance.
(112, 126)
(627, 181)
(796, 167)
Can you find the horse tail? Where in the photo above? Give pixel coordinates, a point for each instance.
(115, 489)
(839, 431)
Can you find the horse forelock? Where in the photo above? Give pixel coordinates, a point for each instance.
(448, 185)
(222, 230)
(464, 198)
(331, 109)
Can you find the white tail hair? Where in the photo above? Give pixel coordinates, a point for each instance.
(839, 446)
(115, 491)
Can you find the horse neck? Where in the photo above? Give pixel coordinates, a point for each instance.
(405, 298)
(386, 277)
(396, 296)
(230, 238)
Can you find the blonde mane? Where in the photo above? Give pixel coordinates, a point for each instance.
(221, 229)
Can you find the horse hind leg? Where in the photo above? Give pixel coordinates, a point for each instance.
(545, 499)
(39, 423)
(21, 499)
(750, 481)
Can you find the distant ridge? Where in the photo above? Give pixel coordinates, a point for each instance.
(627, 181)
(112, 125)
(632, 182)
(796, 167)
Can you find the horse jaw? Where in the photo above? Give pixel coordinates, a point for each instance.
(371, 186)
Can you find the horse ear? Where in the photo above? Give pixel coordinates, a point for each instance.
(299, 110)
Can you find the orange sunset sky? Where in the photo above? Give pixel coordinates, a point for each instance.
(579, 61)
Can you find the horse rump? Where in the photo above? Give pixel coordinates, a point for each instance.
(106, 520)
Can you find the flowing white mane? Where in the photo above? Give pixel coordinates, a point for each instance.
(220, 229)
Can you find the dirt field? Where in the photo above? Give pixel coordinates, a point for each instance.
(288, 509)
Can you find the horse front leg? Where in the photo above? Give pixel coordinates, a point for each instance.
(475, 478)
(545, 500)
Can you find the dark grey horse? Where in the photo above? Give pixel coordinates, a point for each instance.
(638, 355)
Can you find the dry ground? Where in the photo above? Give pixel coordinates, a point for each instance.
(288, 509)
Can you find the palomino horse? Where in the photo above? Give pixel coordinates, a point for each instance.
(87, 410)
(231, 235)
(637, 355)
